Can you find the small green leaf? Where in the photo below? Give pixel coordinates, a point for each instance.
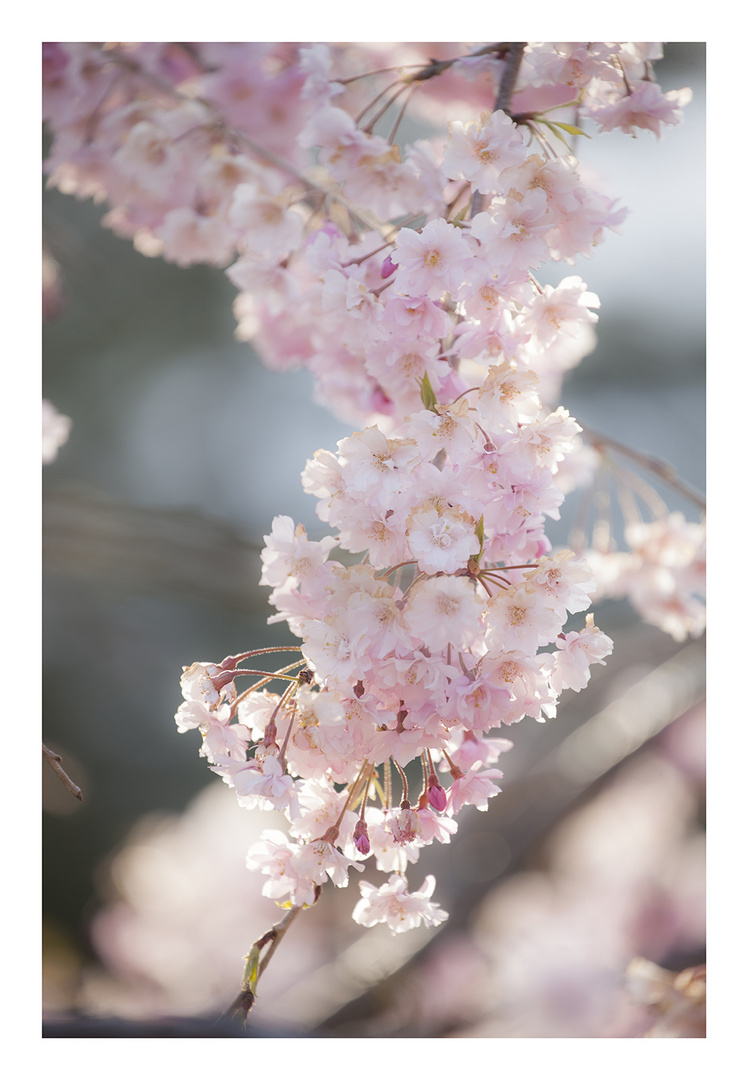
(480, 532)
(428, 397)
(570, 128)
(252, 961)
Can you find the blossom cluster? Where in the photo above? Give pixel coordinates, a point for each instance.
(663, 573)
(451, 626)
(403, 276)
(203, 154)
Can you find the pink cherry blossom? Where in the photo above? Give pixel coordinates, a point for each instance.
(473, 788)
(444, 610)
(431, 262)
(394, 905)
(644, 106)
(571, 662)
(482, 151)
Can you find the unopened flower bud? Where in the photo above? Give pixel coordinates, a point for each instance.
(222, 679)
(361, 838)
(388, 267)
(436, 794)
(269, 744)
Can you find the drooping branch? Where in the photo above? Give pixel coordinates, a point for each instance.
(661, 469)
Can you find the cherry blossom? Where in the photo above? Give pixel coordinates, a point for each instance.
(431, 262)
(394, 905)
(405, 276)
(482, 151)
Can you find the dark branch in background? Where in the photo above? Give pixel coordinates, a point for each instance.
(92, 538)
(56, 762)
(509, 78)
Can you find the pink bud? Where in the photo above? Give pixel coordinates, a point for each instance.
(436, 794)
(361, 838)
(223, 678)
(388, 267)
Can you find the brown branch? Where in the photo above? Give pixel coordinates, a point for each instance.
(513, 56)
(56, 762)
(661, 469)
(280, 929)
(509, 78)
(254, 967)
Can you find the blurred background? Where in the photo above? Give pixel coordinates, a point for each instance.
(183, 448)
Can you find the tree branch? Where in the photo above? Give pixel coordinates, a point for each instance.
(508, 79)
(56, 762)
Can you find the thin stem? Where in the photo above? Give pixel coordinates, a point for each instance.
(280, 929)
(365, 798)
(545, 143)
(363, 258)
(381, 94)
(282, 755)
(254, 966)
(386, 573)
(495, 578)
(466, 670)
(263, 682)
(370, 126)
(601, 530)
(518, 566)
(404, 780)
(401, 114)
(455, 770)
(638, 486)
(415, 580)
(351, 790)
(258, 652)
(484, 584)
(263, 674)
(425, 769)
(626, 501)
(56, 762)
(381, 289)
(379, 790)
(371, 74)
(578, 531)
(662, 469)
